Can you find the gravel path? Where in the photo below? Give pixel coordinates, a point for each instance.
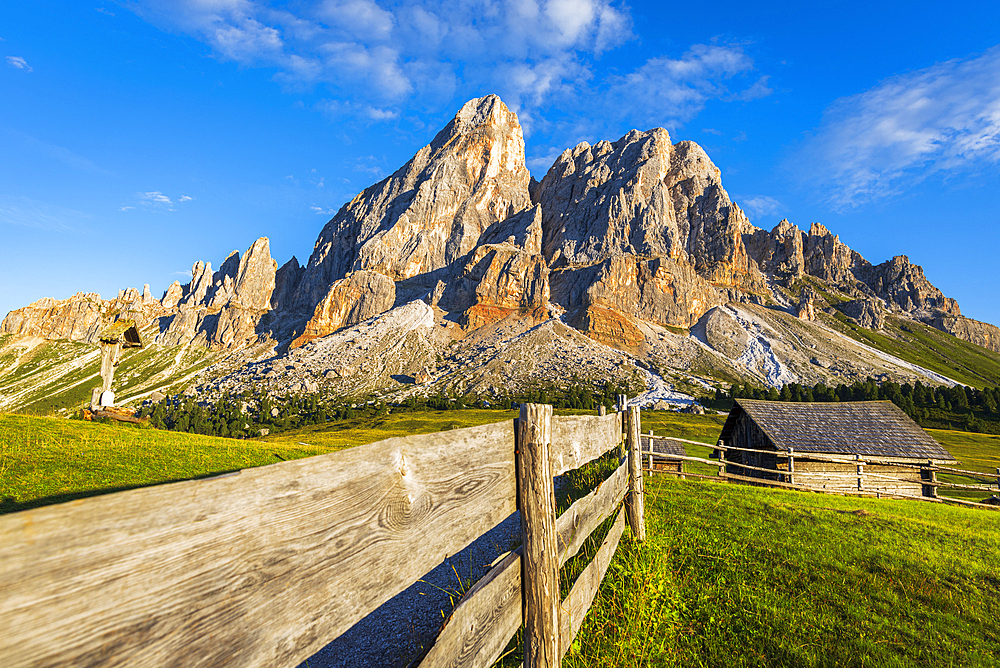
(403, 627)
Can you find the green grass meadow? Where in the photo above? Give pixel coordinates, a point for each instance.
(730, 575)
(733, 575)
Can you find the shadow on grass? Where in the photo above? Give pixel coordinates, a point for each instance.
(9, 504)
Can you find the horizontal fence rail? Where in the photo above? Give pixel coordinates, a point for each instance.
(265, 566)
(788, 473)
(262, 568)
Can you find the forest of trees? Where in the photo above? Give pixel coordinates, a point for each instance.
(245, 415)
(959, 407)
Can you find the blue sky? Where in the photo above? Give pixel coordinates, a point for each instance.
(137, 137)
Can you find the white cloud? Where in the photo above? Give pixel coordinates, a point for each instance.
(154, 200)
(374, 58)
(19, 63)
(25, 212)
(377, 52)
(321, 211)
(678, 89)
(758, 206)
(943, 120)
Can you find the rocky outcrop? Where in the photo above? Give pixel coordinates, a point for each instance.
(255, 277)
(869, 313)
(78, 318)
(980, 333)
(501, 279)
(662, 290)
(286, 280)
(172, 296)
(349, 301)
(644, 196)
(806, 309)
(901, 283)
(780, 252)
(225, 309)
(720, 330)
(431, 211)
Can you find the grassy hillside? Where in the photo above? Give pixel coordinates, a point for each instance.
(50, 460)
(742, 576)
(52, 377)
(928, 347)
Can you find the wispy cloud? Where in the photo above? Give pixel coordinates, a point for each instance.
(758, 206)
(371, 61)
(19, 63)
(942, 120)
(154, 200)
(321, 211)
(375, 54)
(60, 153)
(25, 212)
(677, 89)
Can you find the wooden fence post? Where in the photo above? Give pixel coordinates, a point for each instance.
(861, 470)
(622, 408)
(791, 466)
(722, 459)
(601, 410)
(540, 561)
(636, 503)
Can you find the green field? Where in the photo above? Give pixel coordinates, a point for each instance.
(730, 575)
(745, 576)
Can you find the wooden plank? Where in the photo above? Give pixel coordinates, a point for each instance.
(262, 567)
(578, 439)
(636, 502)
(576, 524)
(483, 622)
(539, 557)
(490, 613)
(581, 596)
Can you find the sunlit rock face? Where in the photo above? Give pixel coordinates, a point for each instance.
(349, 301)
(431, 211)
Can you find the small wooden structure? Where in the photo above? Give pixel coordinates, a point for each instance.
(848, 446)
(663, 453)
(116, 336)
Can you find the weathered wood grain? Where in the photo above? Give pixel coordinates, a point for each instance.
(636, 501)
(578, 439)
(581, 596)
(262, 568)
(586, 514)
(539, 556)
(483, 622)
(490, 613)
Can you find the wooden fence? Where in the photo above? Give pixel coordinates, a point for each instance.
(869, 473)
(265, 566)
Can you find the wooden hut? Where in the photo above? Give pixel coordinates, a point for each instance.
(662, 452)
(826, 445)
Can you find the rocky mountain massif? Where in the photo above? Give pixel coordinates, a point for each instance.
(629, 250)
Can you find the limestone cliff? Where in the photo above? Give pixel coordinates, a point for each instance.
(431, 211)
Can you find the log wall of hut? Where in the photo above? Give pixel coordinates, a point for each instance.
(838, 477)
(748, 435)
(663, 464)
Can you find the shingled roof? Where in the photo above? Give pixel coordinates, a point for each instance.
(874, 428)
(662, 446)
